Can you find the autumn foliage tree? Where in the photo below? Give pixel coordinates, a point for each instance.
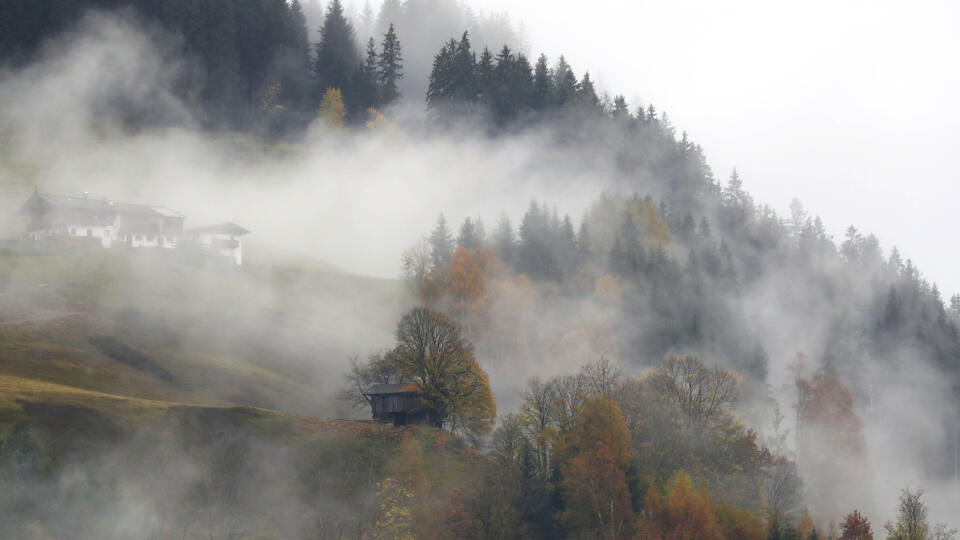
(830, 442)
(855, 527)
(466, 281)
(596, 458)
(688, 512)
(432, 353)
(332, 111)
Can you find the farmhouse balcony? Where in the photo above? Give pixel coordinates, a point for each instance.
(225, 243)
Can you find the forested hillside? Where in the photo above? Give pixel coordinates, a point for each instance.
(254, 64)
(621, 343)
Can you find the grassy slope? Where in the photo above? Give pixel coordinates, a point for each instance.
(256, 336)
(200, 324)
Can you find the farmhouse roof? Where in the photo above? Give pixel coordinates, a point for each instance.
(40, 202)
(379, 389)
(226, 227)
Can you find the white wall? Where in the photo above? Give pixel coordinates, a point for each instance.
(208, 239)
(105, 234)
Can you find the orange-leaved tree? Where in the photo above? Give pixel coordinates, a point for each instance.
(855, 527)
(831, 448)
(466, 282)
(596, 458)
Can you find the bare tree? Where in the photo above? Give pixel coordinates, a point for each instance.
(601, 376)
(911, 518)
(569, 393)
(379, 368)
(699, 391)
(415, 266)
(782, 490)
(539, 412)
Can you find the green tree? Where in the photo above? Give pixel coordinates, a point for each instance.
(504, 240)
(441, 245)
(543, 89)
(432, 353)
(470, 235)
(453, 87)
(336, 53)
(390, 67)
(366, 88)
(564, 82)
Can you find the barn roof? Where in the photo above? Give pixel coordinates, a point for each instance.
(226, 227)
(41, 202)
(406, 388)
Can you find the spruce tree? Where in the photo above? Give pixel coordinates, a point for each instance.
(295, 64)
(504, 240)
(485, 76)
(464, 71)
(453, 80)
(441, 245)
(366, 29)
(439, 88)
(469, 237)
(586, 93)
(365, 87)
(391, 12)
(512, 87)
(564, 82)
(543, 89)
(337, 54)
(390, 67)
(620, 109)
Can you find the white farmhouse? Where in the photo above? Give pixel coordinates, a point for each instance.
(89, 221)
(222, 239)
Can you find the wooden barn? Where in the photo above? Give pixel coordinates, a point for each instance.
(398, 404)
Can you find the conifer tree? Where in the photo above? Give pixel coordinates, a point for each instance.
(464, 71)
(365, 29)
(564, 82)
(620, 109)
(332, 110)
(453, 79)
(295, 78)
(543, 89)
(441, 245)
(586, 93)
(469, 237)
(337, 54)
(365, 86)
(485, 76)
(390, 67)
(504, 240)
(391, 12)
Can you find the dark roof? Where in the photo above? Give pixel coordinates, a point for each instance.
(43, 201)
(407, 388)
(222, 228)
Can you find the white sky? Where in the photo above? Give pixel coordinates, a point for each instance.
(852, 106)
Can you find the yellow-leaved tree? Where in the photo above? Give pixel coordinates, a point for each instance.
(332, 111)
(596, 458)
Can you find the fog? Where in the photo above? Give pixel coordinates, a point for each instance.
(848, 106)
(352, 201)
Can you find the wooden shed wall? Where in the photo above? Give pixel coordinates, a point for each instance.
(391, 403)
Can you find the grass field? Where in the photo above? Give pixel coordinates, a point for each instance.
(185, 331)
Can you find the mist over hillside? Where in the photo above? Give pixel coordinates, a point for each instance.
(607, 237)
